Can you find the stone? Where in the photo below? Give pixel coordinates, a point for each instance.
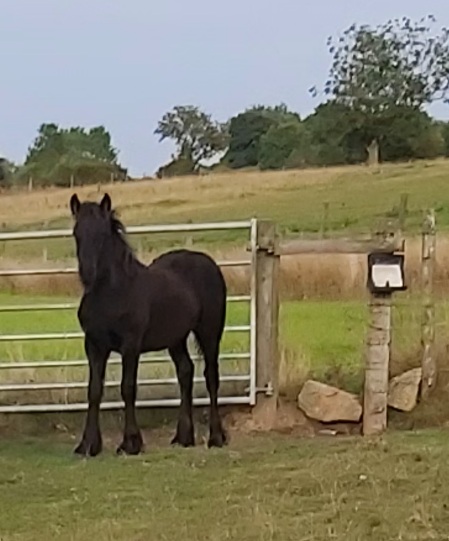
(328, 404)
(403, 390)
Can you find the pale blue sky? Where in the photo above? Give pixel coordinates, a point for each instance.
(123, 63)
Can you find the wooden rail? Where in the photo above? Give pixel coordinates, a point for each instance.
(340, 246)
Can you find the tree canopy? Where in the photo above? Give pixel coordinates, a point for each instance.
(399, 63)
(58, 153)
(247, 129)
(393, 67)
(196, 135)
(7, 170)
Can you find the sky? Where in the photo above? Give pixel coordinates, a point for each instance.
(124, 63)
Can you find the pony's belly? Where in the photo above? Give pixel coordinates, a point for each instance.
(153, 342)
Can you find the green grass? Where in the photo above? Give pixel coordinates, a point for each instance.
(259, 488)
(321, 339)
(323, 331)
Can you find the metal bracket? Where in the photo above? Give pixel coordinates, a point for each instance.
(270, 250)
(268, 390)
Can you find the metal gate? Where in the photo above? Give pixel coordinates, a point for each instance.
(26, 371)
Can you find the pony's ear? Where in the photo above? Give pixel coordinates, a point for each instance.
(75, 204)
(106, 203)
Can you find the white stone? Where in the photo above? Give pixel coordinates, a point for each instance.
(328, 404)
(403, 390)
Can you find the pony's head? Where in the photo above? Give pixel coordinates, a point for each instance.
(92, 231)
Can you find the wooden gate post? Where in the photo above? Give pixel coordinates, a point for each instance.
(267, 323)
(428, 361)
(377, 366)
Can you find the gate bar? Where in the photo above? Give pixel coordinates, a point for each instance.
(62, 386)
(112, 361)
(45, 272)
(74, 305)
(161, 403)
(131, 230)
(75, 335)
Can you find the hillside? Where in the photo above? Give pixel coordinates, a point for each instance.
(358, 198)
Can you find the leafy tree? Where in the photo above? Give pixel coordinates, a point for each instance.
(397, 64)
(247, 129)
(338, 134)
(7, 170)
(278, 144)
(57, 154)
(333, 136)
(444, 130)
(195, 134)
(410, 133)
(54, 141)
(177, 167)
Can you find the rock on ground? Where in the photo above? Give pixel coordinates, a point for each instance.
(328, 404)
(403, 390)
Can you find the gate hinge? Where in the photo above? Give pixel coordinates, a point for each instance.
(268, 389)
(270, 250)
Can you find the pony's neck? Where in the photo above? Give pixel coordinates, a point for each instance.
(121, 263)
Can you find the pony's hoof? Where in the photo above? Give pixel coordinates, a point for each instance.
(89, 447)
(132, 444)
(186, 439)
(218, 439)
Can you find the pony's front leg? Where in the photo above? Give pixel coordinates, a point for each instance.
(132, 438)
(91, 443)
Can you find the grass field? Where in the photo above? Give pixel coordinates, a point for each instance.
(320, 339)
(361, 200)
(266, 487)
(259, 488)
(357, 195)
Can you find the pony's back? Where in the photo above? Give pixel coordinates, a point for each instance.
(205, 278)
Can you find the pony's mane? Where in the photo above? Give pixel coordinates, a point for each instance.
(128, 256)
(119, 229)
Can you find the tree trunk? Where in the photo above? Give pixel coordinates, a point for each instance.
(373, 152)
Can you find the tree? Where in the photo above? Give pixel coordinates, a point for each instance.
(247, 129)
(278, 143)
(333, 136)
(7, 170)
(444, 130)
(54, 141)
(398, 64)
(57, 154)
(195, 134)
(338, 134)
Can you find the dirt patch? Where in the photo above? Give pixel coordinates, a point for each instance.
(158, 426)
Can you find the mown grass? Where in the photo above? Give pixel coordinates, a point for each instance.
(259, 488)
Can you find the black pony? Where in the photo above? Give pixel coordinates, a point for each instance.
(131, 308)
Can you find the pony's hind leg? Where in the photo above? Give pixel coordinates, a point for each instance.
(210, 350)
(132, 438)
(185, 434)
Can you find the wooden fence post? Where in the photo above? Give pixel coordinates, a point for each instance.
(375, 395)
(402, 213)
(325, 222)
(428, 253)
(267, 324)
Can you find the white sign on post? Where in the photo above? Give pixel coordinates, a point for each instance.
(387, 276)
